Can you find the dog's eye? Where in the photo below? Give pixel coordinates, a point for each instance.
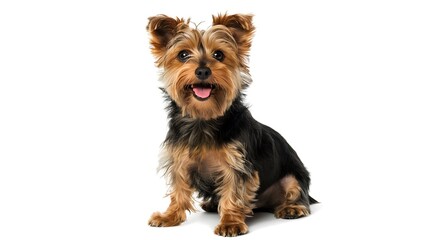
(183, 55)
(218, 55)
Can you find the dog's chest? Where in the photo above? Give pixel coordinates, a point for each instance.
(207, 168)
(209, 162)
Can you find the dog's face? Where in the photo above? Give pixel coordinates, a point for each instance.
(203, 71)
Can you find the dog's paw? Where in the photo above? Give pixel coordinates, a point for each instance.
(164, 220)
(231, 229)
(292, 212)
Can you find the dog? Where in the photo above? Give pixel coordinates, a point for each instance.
(214, 146)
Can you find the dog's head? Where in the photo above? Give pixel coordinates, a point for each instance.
(203, 71)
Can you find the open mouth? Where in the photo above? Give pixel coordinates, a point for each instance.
(202, 91)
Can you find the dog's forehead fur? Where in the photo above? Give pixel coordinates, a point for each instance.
(202, 42)
(216, 34)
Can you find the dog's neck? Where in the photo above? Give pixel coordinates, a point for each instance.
(194, 132)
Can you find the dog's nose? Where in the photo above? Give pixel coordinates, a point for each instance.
(203, 73)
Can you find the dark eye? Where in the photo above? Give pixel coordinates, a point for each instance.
(218, 55)
(183, 55)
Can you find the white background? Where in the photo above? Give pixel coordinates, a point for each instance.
(82, 118)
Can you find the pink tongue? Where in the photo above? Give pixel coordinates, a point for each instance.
(202, 92)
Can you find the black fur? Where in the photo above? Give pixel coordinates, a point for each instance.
(266, 151)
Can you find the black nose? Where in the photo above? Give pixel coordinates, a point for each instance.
(203, 73)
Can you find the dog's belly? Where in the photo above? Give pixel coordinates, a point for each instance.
(203, 180)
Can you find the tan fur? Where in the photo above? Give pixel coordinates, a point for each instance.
(290, 208)
(193, 155)
(292, 188)
(181, 191)
(242, 29)
(170, 36)
(237, 197)
(162, 28)
(237, 202)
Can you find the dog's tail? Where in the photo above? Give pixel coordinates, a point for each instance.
(312, 200)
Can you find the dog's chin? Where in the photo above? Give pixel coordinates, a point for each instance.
(203, 101)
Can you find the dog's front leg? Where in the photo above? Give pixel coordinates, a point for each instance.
(180, 196)
(236, 202)
(181, 201)
(232, 218)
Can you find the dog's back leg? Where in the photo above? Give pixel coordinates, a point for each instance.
(295, 202)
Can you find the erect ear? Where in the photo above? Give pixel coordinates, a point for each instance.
(162, 29)
(241, 28)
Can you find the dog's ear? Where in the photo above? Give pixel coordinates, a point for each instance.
(162, 29)
(241, 28)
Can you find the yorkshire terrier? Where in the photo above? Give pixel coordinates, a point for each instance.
(214, 146)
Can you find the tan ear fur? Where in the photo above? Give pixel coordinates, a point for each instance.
(240, 26)
(162, 29)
